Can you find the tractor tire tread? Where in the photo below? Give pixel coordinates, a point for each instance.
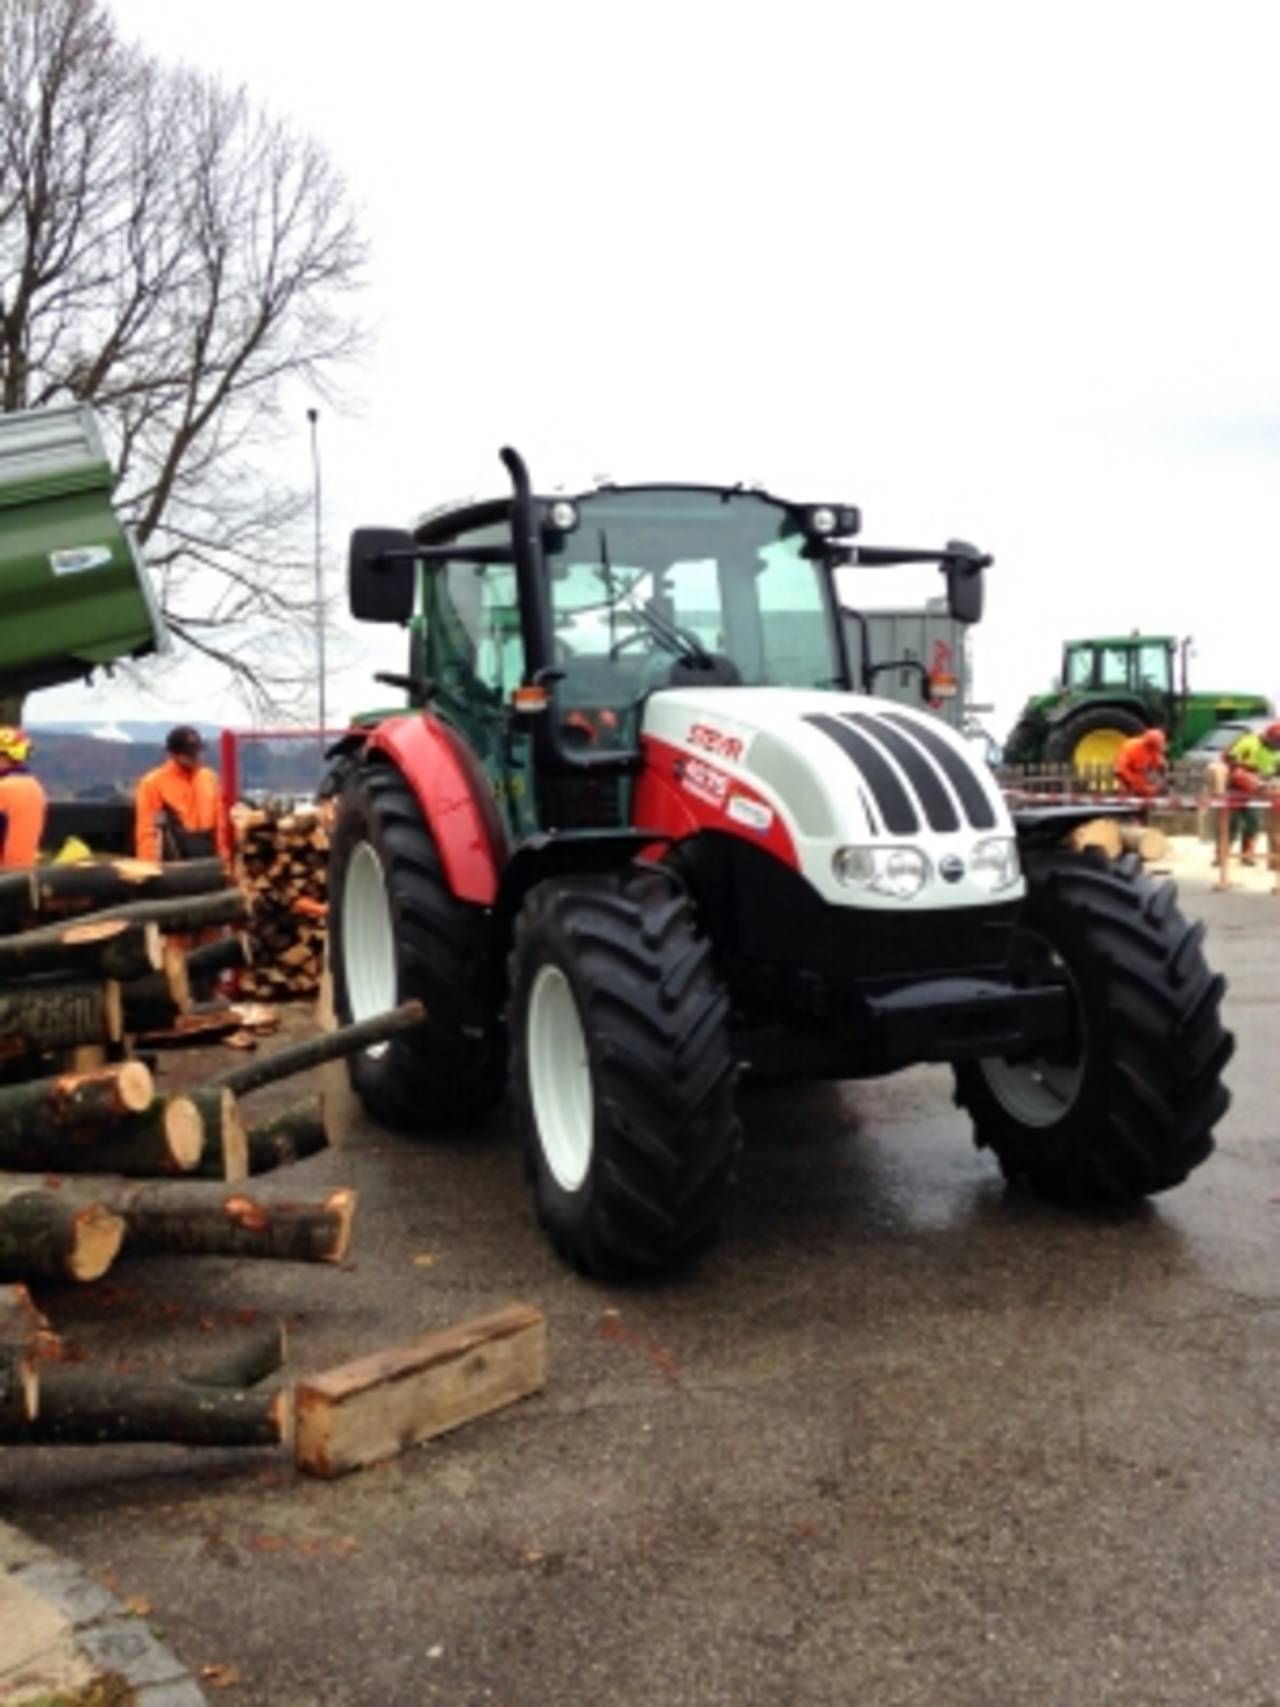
(666, 1132)
(443, 1076)
(1144, 1117)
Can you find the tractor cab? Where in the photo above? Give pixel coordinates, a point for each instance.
(1139, 664)
(541, 627)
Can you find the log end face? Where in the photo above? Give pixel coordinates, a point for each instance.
(341, 1205)
(184, 1133)
(311, 1436)
(235, 1140)
(96, 1243)
(135, 1087)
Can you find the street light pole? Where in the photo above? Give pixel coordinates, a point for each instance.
(313, 416)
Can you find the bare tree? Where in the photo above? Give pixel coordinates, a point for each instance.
(185, 263)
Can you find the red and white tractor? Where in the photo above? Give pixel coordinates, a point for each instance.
(638, 832)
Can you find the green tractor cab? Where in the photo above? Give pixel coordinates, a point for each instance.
(1115, 687)
(75, 594)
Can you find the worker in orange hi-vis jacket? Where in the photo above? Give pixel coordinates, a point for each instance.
(1141, 763)
(178, 806)
(22, 802)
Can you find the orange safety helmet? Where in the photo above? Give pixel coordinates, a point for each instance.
(1157, 741)
(15, 744)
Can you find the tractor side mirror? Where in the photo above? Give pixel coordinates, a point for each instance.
(964, 568)
(382, 575)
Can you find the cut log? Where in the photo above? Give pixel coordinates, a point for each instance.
(149, 1009)
(73, 1108)
(19, 1391)
(154, 1002)
(168, 1139)
(1145, 840)
(211, 1218)
(44, 1236)
(87, 885)
(254, 1356)
(83, 1406)
(297, 1057)
(226, 1143)
(369, 1410)
(38, 1017)
(296, 1132)
(111, 948)
(227, 954)
(183, 912)
(1103, 833)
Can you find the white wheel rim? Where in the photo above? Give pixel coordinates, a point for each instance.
(559, 1078)
(1036, 1093)
(1039, 1093)
(368, 940)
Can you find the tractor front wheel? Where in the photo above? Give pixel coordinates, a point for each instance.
(623, 1077)
(396, 931)
(1127, 1106)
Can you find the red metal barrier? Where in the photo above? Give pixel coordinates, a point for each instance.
(231, 740)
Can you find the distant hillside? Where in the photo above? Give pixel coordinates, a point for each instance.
(147, 732)
(75, 766)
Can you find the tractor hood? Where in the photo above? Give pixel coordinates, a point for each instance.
(807, 773)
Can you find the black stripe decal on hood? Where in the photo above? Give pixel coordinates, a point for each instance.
(973, 797)
(939, 808)
(891, 797)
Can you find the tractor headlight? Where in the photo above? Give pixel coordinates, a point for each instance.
(995, 864)
(900, 872)
(563, 516)
(823, 520)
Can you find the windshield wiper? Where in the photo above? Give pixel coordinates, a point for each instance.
(682, 641)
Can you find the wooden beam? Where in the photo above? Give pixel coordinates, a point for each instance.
(377, 1406)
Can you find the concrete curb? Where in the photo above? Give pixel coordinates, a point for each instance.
(61, 1633)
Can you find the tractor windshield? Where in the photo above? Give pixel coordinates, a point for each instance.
(664, 584)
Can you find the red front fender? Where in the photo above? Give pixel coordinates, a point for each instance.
(451, 789)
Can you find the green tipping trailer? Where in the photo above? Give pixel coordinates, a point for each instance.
(73, 591)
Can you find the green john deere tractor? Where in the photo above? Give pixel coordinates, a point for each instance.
(1113, 688)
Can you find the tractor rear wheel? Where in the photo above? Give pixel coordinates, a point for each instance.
(623, 1076)
(1091, 739)
(1128, 1107)
(396, 932)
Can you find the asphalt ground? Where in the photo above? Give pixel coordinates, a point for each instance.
(905, 1438)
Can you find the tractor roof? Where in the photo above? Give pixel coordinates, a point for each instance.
(1125, 640)
(445, 521)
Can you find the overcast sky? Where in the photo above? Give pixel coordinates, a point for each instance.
(1007, 272)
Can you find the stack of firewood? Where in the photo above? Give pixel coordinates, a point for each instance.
(281, 858)
(101, 1160)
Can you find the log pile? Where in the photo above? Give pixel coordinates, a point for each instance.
(281, 861)
(99, 1160)
(1113, 836)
